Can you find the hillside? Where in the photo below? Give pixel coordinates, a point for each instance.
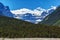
(53, 18)
(13, 28)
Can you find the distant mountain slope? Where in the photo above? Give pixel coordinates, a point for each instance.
(57, 23)
(5, 11)
(53, 18)
(13, 28)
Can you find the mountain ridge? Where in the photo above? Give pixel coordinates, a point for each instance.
(53, 18)
(5, 11)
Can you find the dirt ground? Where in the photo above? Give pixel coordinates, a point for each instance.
(29, 38)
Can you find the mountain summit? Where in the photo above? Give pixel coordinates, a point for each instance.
(5, 11)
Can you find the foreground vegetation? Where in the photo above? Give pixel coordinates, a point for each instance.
(13, 28)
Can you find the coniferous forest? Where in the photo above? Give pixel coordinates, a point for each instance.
(13, 28)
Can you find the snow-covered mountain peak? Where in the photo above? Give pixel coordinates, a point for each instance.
(33, 16)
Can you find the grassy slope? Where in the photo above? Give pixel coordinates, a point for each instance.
(57, 23)
(13, 28)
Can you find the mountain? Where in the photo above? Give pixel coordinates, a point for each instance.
(35, 16)
(53, 8)
(5, 11)
(10, 27)
(28, 17)
(53, 18)
(50, 11)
